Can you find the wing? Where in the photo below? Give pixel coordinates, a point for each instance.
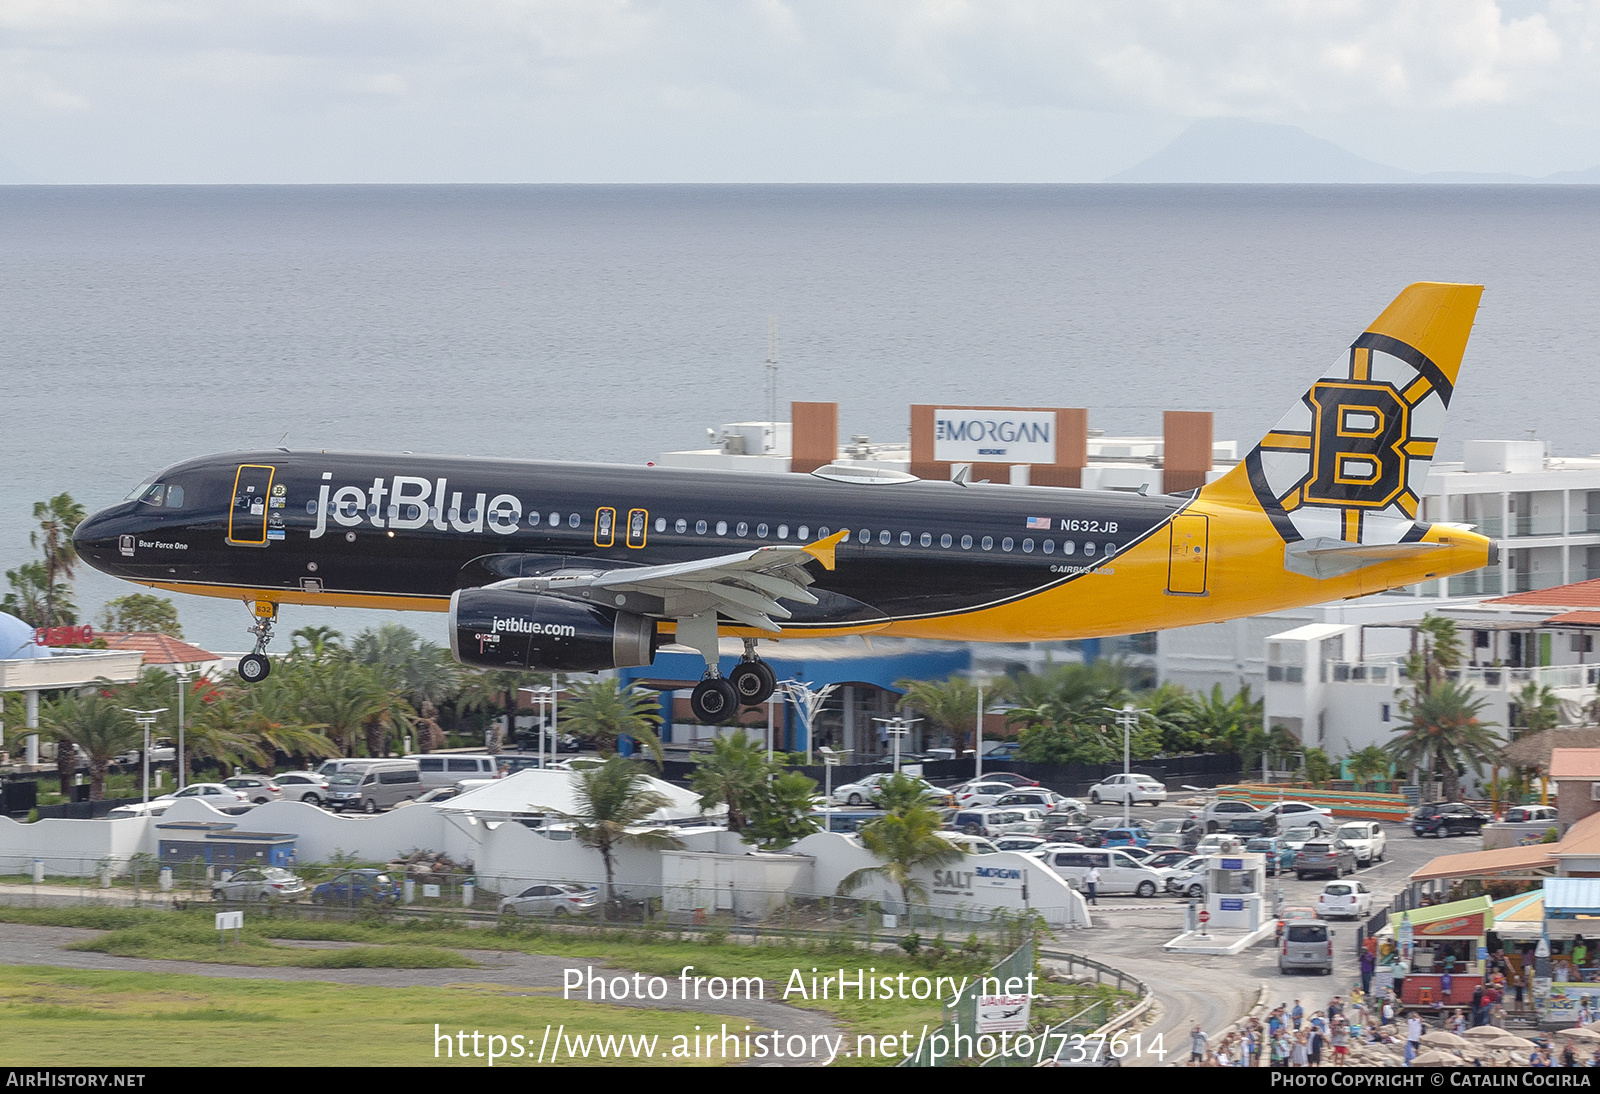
(745, 586)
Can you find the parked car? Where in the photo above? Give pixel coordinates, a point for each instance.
(1332, 858)
(357, 887)
(258, 789)
(1306, 945)
(1366, 839)
(1133, 835)
(1296, 838)
(972, 845)
(866, 790)
(259, 883)
(558, 900)
(303, 786)
(1005, 750)
(1163, 860)
(1007, 776)
(1118, 872)
(1279, 855)
(1180, 833)
(1046, 800)
(1220, 843)
(1253, 824)
(447, 770)
(1292, 814)
(1350, 899)
(1293, 912)
(1188, 879)
(1529, 814)
(162, 751)
(1137, 853)
(1019, 843)
(1216, 815)
(382, 785)
(1079, 834)
(153, 808)
(1447, 819)
(1133, 789)
(211, 793)
(981, 793)
(994, 822)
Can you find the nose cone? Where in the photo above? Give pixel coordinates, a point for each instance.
(99, 540)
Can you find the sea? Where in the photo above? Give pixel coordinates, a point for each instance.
(144, 325)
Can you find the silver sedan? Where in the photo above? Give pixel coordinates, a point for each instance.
(259, 883)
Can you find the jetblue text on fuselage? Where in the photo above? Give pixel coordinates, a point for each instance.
(412, 503)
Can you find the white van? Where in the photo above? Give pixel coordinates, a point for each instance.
(1119, 873)
(447, 769)
(382, 784)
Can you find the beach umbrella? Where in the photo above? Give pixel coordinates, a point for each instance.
(1440, 1038)
(1483, 1033)
(1436, 1058)
(1585, 1034)
(1511, 1041)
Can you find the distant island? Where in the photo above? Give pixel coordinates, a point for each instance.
(1240, 151)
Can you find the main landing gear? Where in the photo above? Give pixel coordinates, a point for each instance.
(717, 697)
(255, 667)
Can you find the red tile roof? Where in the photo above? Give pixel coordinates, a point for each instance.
(159, 649)
(1580, 594)
(1575, 763)
(1576, 619)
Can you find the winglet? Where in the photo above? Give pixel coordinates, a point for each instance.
(822, 550)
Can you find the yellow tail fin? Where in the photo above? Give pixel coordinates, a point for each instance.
(1349, 460)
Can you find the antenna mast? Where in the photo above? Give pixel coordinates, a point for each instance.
(772, 384)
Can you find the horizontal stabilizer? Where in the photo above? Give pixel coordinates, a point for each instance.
(1324, 557)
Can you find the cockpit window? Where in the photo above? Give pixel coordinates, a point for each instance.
(156, 495)
(169, 495)
(174, 496)
(137, 492)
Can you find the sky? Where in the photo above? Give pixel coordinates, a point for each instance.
(299, 91)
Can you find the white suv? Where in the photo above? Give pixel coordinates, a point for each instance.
(1365, 838)
(1130, 788)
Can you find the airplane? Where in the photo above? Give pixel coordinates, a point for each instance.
(585, 567)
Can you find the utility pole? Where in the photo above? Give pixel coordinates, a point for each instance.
(183, 674)
(1127, 718)
(146, 719)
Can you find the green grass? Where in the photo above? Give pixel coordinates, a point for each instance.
(66, 1017)
(189, 935)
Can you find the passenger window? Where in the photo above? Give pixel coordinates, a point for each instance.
(823, 532)
(555, 519)
(945, 540)
(927, 540)
(661, 524)
(783, 531)
(722, 527)
(574, 521)
(883, 537)
(1007, 543)
(803, 532)
(1049, 546)
(864, 536)
(742, 529)
(1027, 546)
(966, 543)
(761, 530)
(174, 497)
(1067, 547)
(700, 527)
(905, 539)
(1088, 548)
(988, 543)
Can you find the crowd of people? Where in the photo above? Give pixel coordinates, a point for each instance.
(1292, 1036)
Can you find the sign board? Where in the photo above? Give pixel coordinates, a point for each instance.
(1233, 904)
(64, 636)
(430, 890)
(1003, 1013)
(1205, 917)
(994, 436)
(1233, 864)
(230, 921)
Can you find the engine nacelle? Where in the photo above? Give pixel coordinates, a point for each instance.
(500, 629)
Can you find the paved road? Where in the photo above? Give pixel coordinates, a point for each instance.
(1213, 991)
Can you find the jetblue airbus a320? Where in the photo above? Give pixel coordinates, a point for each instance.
(582, 567)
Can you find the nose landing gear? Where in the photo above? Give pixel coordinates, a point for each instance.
(255, 667)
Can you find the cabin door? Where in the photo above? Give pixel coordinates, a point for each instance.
(252, 494)
(1186, 556)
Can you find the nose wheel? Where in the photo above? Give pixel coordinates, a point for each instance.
(255, 667)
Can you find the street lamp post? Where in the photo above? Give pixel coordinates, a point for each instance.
(896, 728)
(830, 760)
(184, 675)
(146, 719)
(1127, 718)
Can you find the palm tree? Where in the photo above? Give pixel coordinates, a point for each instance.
(950, 705)
(98, 726)
(488, 689)
(613, 798)
(319, 642)
(35, 600)
(1444, 734)
(1538, 709)
(602, 710)
(341, 697)
(735, 774)
(1436, 649)
(1367, 764)
(906, 840)
(57, 518)
(1225, 725)
(786, 814)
